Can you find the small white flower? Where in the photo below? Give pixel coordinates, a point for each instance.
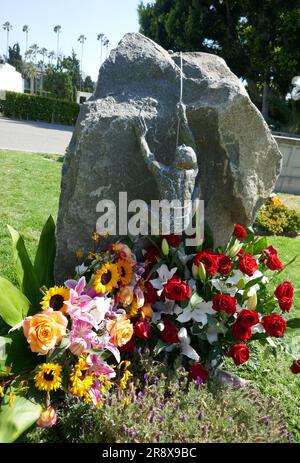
(164, 275)
(81, 269)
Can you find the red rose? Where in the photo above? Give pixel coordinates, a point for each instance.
(129, 347)
(152, 254)
(239, 231)
(240, 332)
(240, 253)
(142, 329)
(224, 264)
(239, 353)
(150, 293)
(225, 303)
(247, 318)
(209, 259)
(295, 368)
(248, 265)
(173, 240)
(273, 263)
(176, 289)
(274, 325)
(198, 372)
(285, 294)
(270, 251)
(170, 333)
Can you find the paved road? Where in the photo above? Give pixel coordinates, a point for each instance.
(36, 137)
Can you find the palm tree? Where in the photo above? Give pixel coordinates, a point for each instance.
(34, 51)
(57, 30)
(106, 44)
(43, 51)
(102, 39)
(51, 55)
(81, 39)
(7, 27)
(26, 30)
(30, 72)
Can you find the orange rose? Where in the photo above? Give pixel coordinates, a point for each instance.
(120, 330)
(45, 330)
(125, 295)
(147, 311)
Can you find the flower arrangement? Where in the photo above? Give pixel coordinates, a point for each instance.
(184, 306)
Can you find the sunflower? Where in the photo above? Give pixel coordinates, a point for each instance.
(134, 308)
(56, 298)
(81, 381)
(106, 278)
(48, 377)
(125, 271)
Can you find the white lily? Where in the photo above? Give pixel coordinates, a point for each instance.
(196, 310)
(238, 275)
(100, 307)
(164, 275)
(168, 307)
(185, 347)
(258, 328)
(212, 334)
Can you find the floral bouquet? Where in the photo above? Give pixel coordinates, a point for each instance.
(193, 308)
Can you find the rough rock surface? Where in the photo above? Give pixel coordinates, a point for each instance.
(238, 158)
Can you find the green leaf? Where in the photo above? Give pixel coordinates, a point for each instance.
(24, 269)
(14, 306)
(160, 346)
(294, 323)
(253, 282)
(45, 255)
(260, 245)
(5, 344)
(20, 357)
(18, 417)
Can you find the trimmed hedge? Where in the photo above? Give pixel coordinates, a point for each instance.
(36, 108)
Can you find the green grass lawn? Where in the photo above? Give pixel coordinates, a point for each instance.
(29, 193)
(291, 201)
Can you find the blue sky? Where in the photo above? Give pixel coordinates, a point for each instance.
(112, 17)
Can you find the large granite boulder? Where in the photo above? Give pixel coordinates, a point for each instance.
(238, 158)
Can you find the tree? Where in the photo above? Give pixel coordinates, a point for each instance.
(15, 58)
(88, 85)
(51, 55)
(57, 30)
(71, 65)
(59, 84)
(106, 44)
(7, 27)
(256, 37)
(101, 37)
(33, 50)
(26, 30)
(81, 39)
